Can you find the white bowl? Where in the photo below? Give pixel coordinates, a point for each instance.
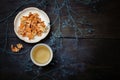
(37, 51)
(25, 12)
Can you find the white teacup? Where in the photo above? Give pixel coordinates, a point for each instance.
(41, 54)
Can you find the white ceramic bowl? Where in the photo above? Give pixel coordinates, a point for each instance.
(25, 12)
(36, 51)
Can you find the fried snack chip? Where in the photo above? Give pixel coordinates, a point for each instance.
(17, 47)
(31, 26)
(14, 49)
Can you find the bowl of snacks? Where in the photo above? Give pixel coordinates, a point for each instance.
(31, 25)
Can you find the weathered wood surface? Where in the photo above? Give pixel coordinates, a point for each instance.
(95, 56)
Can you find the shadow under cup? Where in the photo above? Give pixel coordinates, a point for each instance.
(41, 54)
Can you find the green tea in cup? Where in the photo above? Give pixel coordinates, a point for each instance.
(41, 54)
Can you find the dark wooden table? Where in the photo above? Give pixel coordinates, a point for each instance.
(85, 38)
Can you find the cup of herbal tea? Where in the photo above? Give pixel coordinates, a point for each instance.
(41, 54)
